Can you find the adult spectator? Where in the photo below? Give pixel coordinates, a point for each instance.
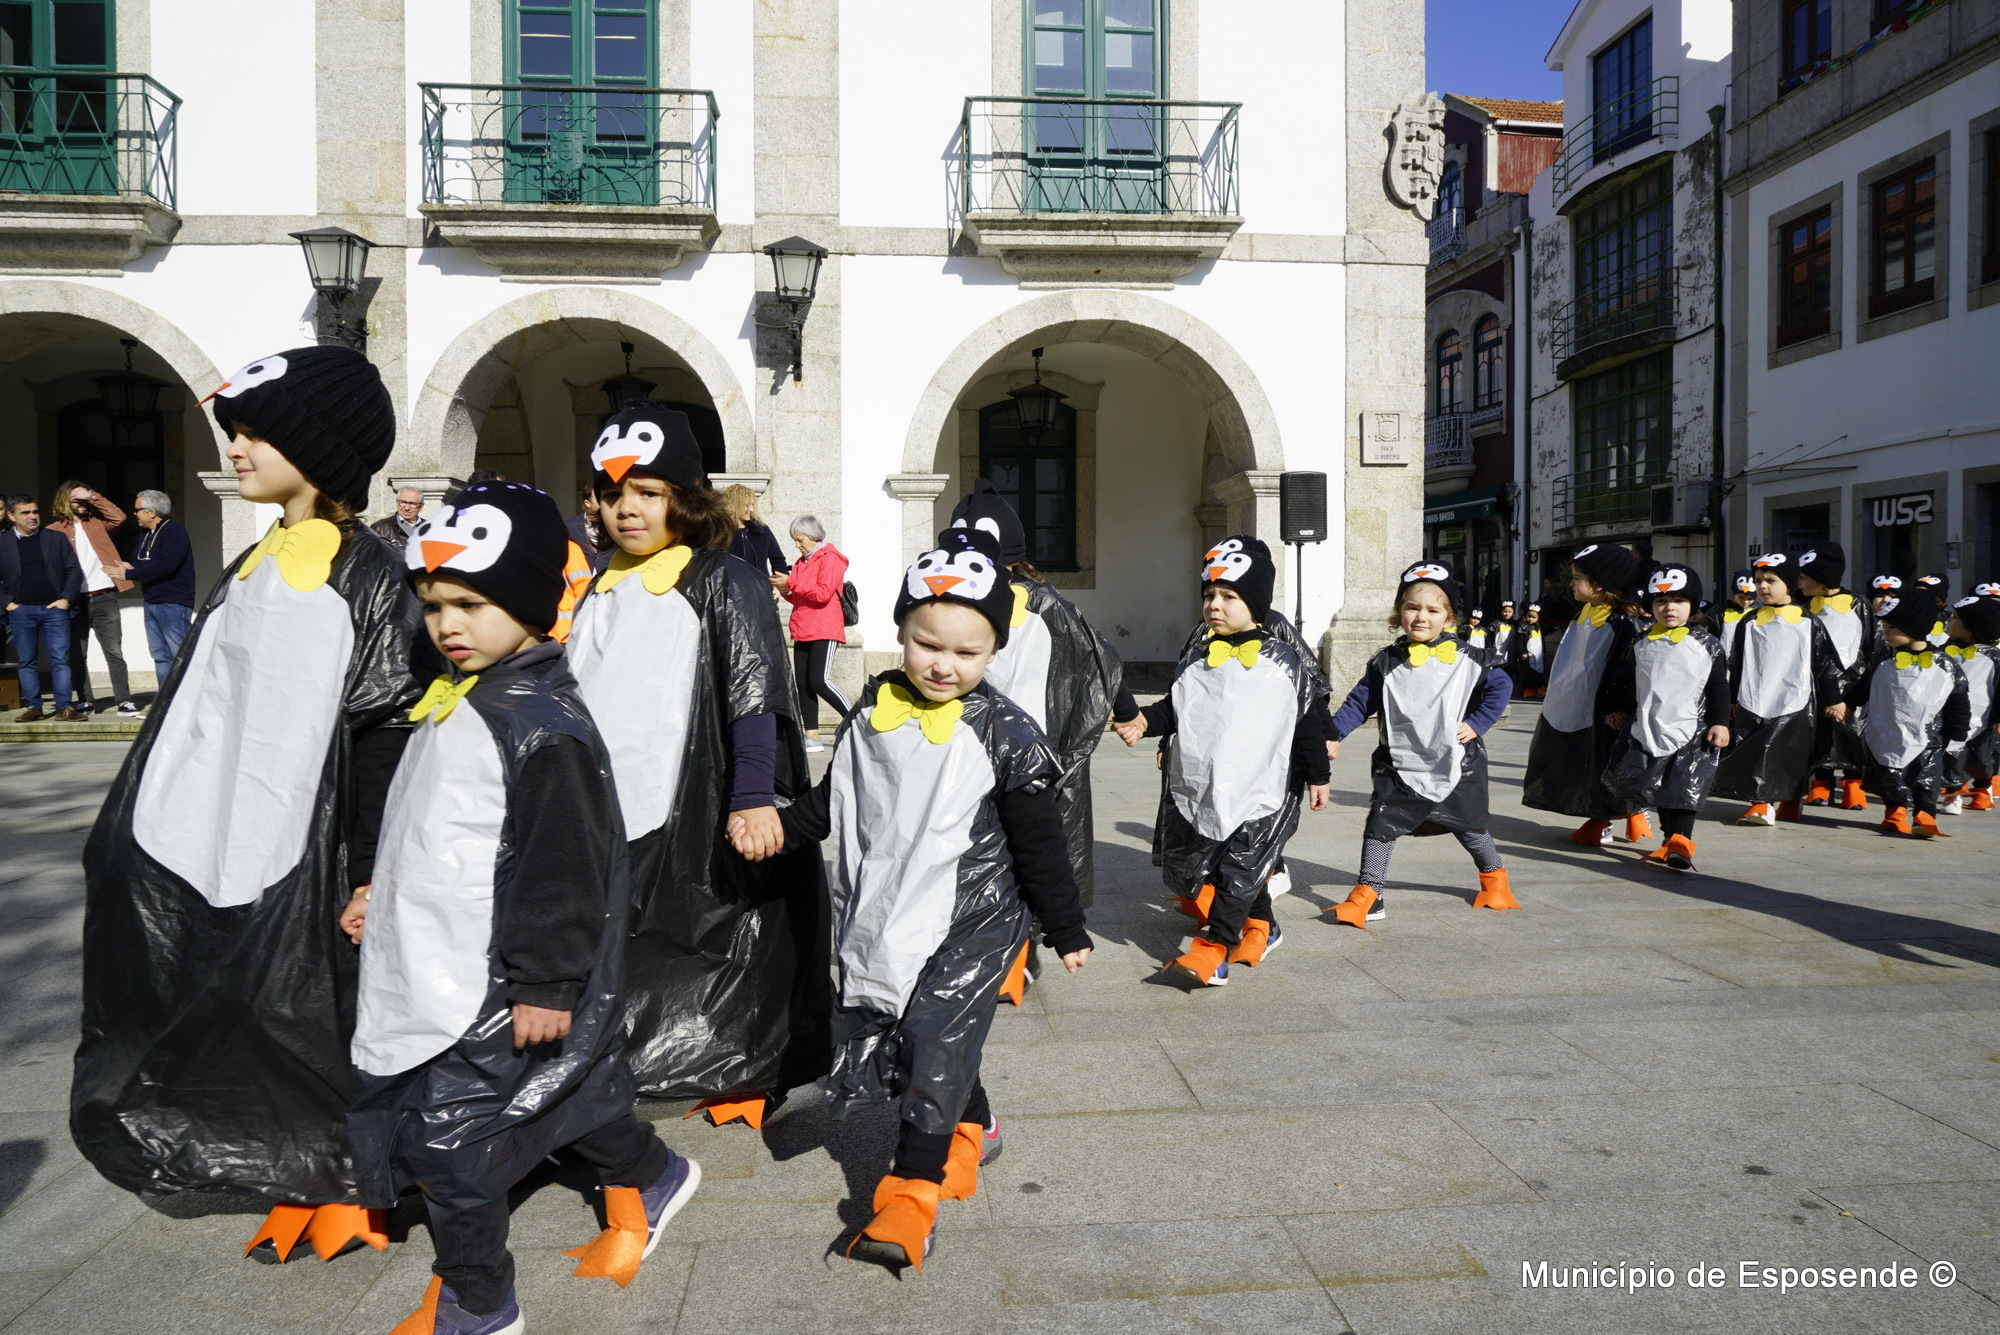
(813, 590)
(39, 581)
(88, 521)
(754, 541)
(397, 528)
(163, 564)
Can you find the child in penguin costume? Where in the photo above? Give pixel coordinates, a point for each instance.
(217, 1003)
(1783, 677)
(1669, 699)
(678, 649)
(1882, 588)
(486, 1031)
(1571, 745)
(1840, 754)
(1742, 602)
(1939, 588)
(1500, 636)
(1246, 740)
(1057, 667)
(1435, 699)
(1970, 767)
(941, 799)
(1918, 705)
(1529, 664)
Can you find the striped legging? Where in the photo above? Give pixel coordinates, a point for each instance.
(1375, 856)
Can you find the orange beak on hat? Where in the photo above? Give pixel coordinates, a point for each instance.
(437, 553)
(1216, 572)
(617, 468)
(942, 584)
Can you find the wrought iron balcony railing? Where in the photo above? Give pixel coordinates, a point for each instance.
(1650, 111)
(1097, 155)
(1446, 444)
(556, 144)
(1446, 233)
(1636, 304)
(87, 134)
(1617, 493)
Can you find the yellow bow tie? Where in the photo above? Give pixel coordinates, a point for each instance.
(895, 706)
(1904, 660)
(1731, 615)
(1673, 636)
(1596, 614)
(1221, 651)
(1790, 613)
(1966, 652)
(1842, 603)
(661, 571)
(304, 553)
(441, 697)
(1444, 651)
(1020, 605)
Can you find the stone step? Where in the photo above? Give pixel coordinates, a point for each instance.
(94, 729)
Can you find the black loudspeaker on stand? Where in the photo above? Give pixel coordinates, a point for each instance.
(1301, 519)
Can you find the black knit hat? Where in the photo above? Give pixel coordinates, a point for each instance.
(1673, 581)
(1938, 585)
(1744, 581)
(325, 409)
(506, 540)
(1244, 564)
(1986, 588)
(986, 509)
(1915, 613)
(1432, 572)
(1826, 563)
(964, 568)
(1882, 584)
(1607, 565)
(1506, 608)
(1981, 617)
(651, 438)
(1782, 565)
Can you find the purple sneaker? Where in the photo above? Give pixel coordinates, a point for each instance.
(664, 1199)
(451, 1319)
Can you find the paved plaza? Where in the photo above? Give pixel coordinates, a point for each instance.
(1792, 1059)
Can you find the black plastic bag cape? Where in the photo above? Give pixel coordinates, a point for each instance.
(1565, 771)
(1917, 784)
(468, 1122)
(1678, 780)
(215, 1039)
(1838, 744)
(1772, 759)
(911, 1024)
(725, 974)
(1065, 675)
(1395, 809)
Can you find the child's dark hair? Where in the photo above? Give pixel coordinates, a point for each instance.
(1396, 612)
(701, 519)
(1621, 599)
(1026, 569)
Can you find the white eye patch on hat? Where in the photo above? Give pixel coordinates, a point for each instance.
(1668, 581)
(962, 574)
(1770, 560)
(471, 539)
(1886, 582)
(1426, 570)
(1988, 590)
(261, 371)
(984, 525)
(1227, 561)
(619, 452)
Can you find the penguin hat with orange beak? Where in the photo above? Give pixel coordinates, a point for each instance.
(1244, 564)
(648, 437)
(963, 568)
(506, 540)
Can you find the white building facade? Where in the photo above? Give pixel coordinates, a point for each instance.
(1209, 219)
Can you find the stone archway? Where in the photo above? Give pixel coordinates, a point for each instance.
(485, 357)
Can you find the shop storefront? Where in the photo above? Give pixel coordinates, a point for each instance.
(1468, 532)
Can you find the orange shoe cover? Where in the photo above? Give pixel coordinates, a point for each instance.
(282, 1229)
(423, 1321)
(615, 1253)
(1494, 892)
(750, 1107)
(1927, 827)
(1201, 960)
(1819, 793)
(1897, 821)
(1250, 950)
(335, 1227)
(905, 1212)
(1637, 827)
(1354, 911)
(1197, 908)
(1014, 987)
(1788, 810)
(1981, 800)
(1852, 798)
(1590, 833)
(1755, 809)
(1658, 855)
(961, 1165)
(1678, 846)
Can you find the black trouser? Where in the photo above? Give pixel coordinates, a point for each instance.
(1676, 823)
(472, 1255)
(922, 1154)
(812, 660)
(1227, 914)
(97, 614)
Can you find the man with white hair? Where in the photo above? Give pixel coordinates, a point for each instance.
(397, 528)
(163, 565)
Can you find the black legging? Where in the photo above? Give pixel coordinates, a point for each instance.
(812, 661)
(1674, 822)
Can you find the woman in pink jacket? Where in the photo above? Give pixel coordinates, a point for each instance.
(813, 590)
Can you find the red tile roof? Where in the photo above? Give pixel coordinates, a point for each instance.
(1507, 109)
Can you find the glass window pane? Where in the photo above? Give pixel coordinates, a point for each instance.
(1051, 475)
(1128, 13)
(1059, 11)
(620, 46)
(79, 32)
(1059, 61)
(545, 45)
(17, 34)
(1128, 63)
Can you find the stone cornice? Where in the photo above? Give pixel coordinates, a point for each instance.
(95, 235)
(576, 243)
(1063, 250)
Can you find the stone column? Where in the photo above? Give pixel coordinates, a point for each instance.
(1252, 498)
(240, 529)
(918, 492)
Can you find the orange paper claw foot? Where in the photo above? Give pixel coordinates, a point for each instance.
(1203, 958)
(423, 1321)
(1256, 940)
(282, 1228)
(1852, 796)
(1590, 833)
(1788, 810)
(335, 1228)
(961, 1164)
(1015, 986)
(1197, 907)
(1354, 910)
(616, 1252)
(750, 1107)
(1895, 821)
(1494, 892)
(1927, 827)
(1637, 827)
(899, 1234)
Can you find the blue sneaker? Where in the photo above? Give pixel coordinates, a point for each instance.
(451, 1319)
(664, 1199)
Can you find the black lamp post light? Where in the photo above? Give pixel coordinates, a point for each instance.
(627, 389)
(1036, 405)
(795, 265)
(129, 398)
(337, 258)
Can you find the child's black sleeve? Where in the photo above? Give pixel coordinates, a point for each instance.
(1717, 692)
(1160, 719)
(1623, 633)
(1123, 707)
(376, 755)
(1309, 747)
(1957, 717)
(1621, 684)
(1032, 824)
(809, 819)
(555, 916)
